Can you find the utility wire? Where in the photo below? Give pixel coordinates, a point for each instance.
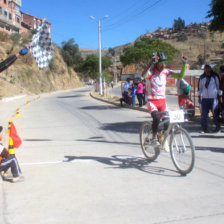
(125, 11)
(131, 17)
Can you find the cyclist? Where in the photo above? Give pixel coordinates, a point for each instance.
(156, 77)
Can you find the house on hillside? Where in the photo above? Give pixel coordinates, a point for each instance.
(13, 20)
(30, 22)
(10, 16)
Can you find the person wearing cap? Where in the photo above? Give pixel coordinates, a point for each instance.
(156, 76)
(183, 90)
(7, 162)
(208, 90)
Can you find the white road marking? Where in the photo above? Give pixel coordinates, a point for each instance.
(56, 162)
(75, 160)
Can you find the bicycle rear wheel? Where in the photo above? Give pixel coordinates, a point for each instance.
(182, 151)
(150, 152)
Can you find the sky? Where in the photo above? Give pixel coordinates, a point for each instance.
(127, 19)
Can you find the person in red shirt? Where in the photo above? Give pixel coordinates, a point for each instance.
(156, 77)
(8, 161)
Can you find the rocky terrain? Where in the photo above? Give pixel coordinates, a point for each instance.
(195, 41)
(25, 77)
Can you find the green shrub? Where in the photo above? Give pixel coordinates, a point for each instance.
(15, 37)
(12, 81)
(28, 74)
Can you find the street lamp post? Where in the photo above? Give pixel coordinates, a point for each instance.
(115, 70)
(99, 52)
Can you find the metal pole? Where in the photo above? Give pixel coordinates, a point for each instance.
(115, 70)
(100, 62)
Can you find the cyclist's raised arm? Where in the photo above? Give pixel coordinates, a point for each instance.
(183, 70)
(154, 59)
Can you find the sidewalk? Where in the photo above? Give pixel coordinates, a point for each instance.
(115, 100)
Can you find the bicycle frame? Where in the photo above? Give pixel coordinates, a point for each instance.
(180, 144)
(166, 134)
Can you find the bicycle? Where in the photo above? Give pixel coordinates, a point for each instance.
(180, 145)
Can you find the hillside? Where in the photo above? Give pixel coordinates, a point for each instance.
(25, 77)
(195, 41)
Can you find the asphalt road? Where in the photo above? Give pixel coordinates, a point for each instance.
(82, 164)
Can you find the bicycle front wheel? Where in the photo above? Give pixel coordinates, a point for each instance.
(182, 151)
(150, 152)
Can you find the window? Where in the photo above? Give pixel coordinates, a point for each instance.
(5, 13)
(17, 8)
(10, 16)
(5, 1)
(0, 10)
(17, 19)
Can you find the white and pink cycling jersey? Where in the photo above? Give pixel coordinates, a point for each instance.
(156, 83)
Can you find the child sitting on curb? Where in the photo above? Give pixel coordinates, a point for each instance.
(8, 161)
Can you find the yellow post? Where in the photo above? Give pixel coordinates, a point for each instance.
(27, 102)
(9, 125)
(17, 112)
(11, 147)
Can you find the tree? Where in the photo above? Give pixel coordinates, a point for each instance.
(217, 13)
(111, 51)
(70, 53)
(141, 52)
(91, 65)
(178, 24)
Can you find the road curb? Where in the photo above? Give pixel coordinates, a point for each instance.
(143, 109)
(118, 104)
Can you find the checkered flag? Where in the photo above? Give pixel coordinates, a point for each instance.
(41, 46)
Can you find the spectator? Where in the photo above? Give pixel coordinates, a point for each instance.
(139, 92)
(221, 102)
(127, 86)
(129, 96)
(208, 90)
(112, 84)
(183, 90)
(144, 92)
(8, 161)
(133, 94)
